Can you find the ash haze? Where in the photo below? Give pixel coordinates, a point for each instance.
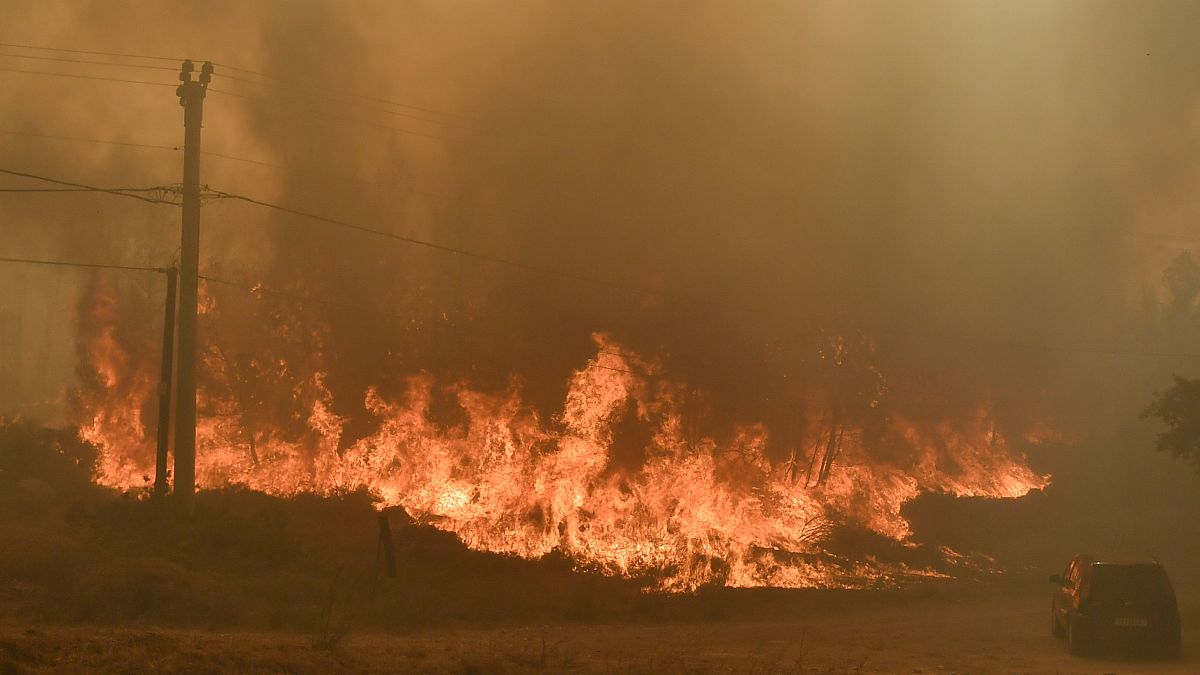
(947, 180)
(937, 211)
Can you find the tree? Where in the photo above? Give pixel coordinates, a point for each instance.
(1179, 408)
(1182, 279)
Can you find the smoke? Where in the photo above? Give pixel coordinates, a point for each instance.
(959, 197)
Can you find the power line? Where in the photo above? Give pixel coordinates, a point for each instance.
(150, 146)
(320, 173)
(284, 81)
(292, 111)
(84, 77)
(325, 175)
(432, 245)
(300, 93)
(333, 94)
(259, 288)
(89, 53)
(630, 287)
(85, 61)
(68, 263)
(91, 188)
(1155, 236)
(33, 134)
(245, 160)
(121, 190)
(331, 175)
(563, 274)
(326, 116)
(234, 158)
(126, 192)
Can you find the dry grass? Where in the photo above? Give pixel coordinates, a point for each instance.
(996, 632)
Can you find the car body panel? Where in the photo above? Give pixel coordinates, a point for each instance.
(1107, 603)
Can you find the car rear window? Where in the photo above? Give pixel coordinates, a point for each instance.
(1121, 582)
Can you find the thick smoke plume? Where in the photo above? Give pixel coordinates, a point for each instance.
(812, 214)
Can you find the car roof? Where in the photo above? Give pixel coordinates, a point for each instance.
(1127, 562)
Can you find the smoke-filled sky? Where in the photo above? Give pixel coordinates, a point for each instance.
(976, 195)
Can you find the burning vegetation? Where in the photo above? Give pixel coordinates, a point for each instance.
(616, 478)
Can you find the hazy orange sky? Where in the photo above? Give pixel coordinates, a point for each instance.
(1015, 171)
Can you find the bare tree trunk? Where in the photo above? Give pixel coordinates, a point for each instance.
(832, 446)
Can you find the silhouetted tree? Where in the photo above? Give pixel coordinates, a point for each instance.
(1177, 328)
(1179, 407)
(1182, 279)
(854, 387)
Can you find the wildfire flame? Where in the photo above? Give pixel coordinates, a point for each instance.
(504, 479)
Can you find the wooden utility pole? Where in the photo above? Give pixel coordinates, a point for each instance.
(191, 97)
(165, 387)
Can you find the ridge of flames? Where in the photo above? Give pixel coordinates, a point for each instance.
(505, 480)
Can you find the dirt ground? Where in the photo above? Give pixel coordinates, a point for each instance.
(992, 631)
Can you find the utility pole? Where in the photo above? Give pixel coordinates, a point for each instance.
(191, 97)
(164, 388)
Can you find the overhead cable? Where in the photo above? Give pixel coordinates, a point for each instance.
(91, 188)
(70, 263)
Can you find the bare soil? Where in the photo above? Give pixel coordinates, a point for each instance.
(998, 630)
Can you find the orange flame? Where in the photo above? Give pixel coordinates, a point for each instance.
(112, 419)
(505, 480)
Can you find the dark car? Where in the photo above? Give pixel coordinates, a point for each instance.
(1105, 603)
